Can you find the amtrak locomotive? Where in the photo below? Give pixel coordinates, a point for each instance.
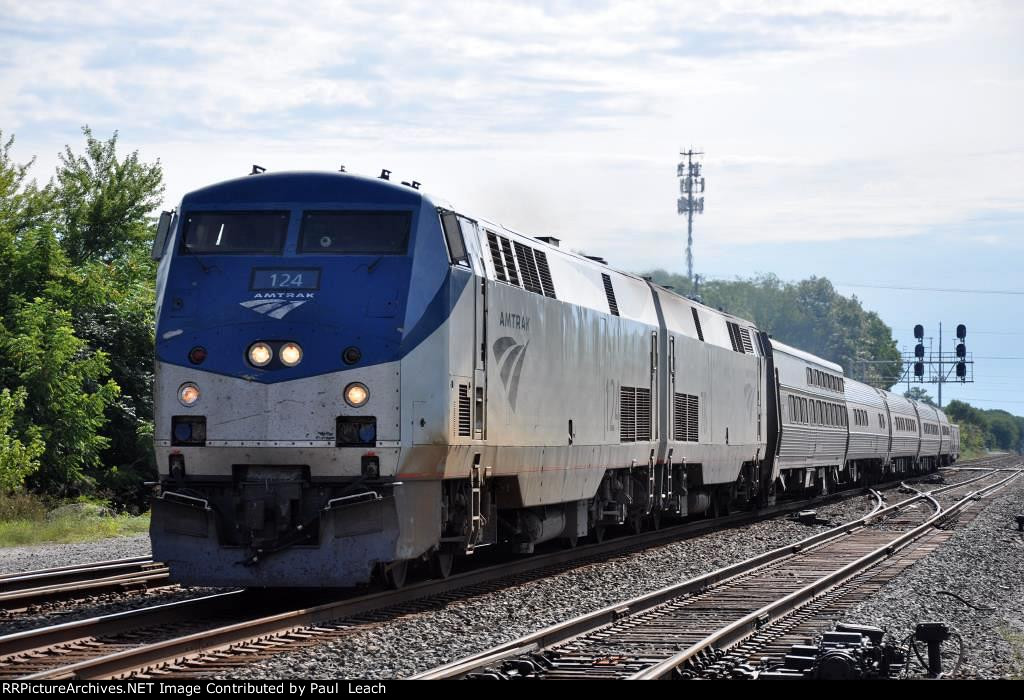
(352, 376)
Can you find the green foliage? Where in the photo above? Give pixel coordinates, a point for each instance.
(67, 401)
(18, 460)
(982, 429)
(810, 315)
(76, 317)
(103, 202)
(918, 394)
(69, 527)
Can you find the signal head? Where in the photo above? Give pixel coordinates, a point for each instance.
(961, 331)
(919, 331)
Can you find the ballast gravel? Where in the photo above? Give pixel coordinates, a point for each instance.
(45, 556)
(420, 641)
(982, 564)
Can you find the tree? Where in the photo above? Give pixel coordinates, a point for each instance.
(19, 457)
(809, 315)
(66, 396)
(103, 202)
(76, 315)
(919, 394)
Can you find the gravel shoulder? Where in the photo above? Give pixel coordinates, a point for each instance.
(981, 563)
(45, 556)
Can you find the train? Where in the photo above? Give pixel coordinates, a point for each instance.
(353, 377)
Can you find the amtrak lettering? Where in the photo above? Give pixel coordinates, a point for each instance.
(510, 320)
(510, 355)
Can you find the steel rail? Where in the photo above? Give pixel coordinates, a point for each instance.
(740, 629)
(282, 623)
(71, 572)
(31, 596)
(588, 622)
(210, 640)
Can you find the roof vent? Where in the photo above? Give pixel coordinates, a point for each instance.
(596, 258)
(550, 240)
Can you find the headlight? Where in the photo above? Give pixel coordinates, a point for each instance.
(260, 354)
(188, 394)
(356, 394)
(291, 354)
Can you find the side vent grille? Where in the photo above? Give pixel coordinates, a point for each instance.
(643, 415)
(627, 414)
(740, 338)
(748, 347)
(635, 414)
(528, 268)
(545, 274)
(734, 336)
(464, 411)
(510, 262)
(696, 323)
(609, 292)
(686, 412)
(499, 265)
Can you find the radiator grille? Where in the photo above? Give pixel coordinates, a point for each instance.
(685, 418)
(627, 414)
(528, 268)
(696, 323)
(510, 263)
(643, 415)
(609, 291)
(546, 282)
(748, 347)
(635, 414)
(499, 264)
(464, 411)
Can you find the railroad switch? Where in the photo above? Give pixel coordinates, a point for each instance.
(849, 652)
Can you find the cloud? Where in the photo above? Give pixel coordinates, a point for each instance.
(819, 122)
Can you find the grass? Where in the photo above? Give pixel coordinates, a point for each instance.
(27, 520)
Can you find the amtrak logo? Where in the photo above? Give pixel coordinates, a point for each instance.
(510, 356)
(274, 308)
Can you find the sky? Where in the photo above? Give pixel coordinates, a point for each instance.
(876, 143)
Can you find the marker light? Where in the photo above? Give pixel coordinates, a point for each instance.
(291, 354)
(356, 394)
(260, 354)
(197, 355)
(188, 394)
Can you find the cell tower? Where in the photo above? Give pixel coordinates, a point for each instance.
(691, 182)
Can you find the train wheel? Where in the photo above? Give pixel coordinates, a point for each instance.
(443, 560)
(396, 573)
(636, 524)
(656, 520)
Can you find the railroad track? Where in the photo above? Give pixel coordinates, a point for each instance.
(216, 633)
(755, 607)
(23, 589)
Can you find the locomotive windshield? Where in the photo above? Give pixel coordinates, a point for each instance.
(235, 232)
(355, 232)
